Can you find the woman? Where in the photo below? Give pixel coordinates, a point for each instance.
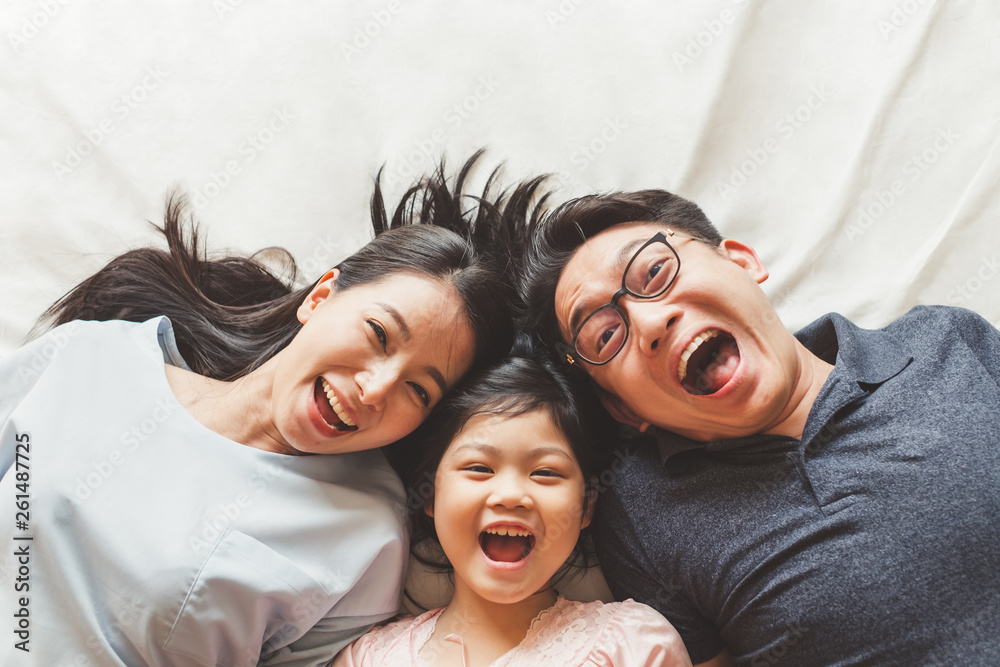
(167, 512)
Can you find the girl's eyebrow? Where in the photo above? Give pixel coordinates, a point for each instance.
(537, 452)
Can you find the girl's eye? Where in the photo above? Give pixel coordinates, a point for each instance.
(421, 393)
(478, 468)
(379, 333)
(546, 473)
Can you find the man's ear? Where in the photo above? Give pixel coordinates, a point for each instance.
(317, 295)
(746, 257)
(621, 412)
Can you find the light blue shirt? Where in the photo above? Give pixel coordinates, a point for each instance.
(147, 539)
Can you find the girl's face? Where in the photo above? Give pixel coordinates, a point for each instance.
(508, 505)
(369, 363)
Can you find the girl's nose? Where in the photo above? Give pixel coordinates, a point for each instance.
(510, 492)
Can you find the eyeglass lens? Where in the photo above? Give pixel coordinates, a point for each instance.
(648, 275)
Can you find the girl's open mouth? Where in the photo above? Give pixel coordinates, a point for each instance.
(506, 544)
(709, 362)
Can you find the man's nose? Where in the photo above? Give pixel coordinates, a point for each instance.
(650, 322)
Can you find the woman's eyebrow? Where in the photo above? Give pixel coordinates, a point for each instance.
(397, 317)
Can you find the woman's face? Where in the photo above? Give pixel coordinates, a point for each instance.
(369, 363)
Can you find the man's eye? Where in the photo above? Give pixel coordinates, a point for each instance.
(379, 332)
(421, 393)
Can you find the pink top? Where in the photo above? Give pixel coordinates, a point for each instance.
(619, 634)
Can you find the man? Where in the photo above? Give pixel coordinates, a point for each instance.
(831, 497)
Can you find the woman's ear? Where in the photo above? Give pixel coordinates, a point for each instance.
(746, 257)
(320, 293)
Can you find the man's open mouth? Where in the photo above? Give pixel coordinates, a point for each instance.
(329, 407)
(506, 544)
(708, 363)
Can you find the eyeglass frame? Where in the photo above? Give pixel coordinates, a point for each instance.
(570, 353)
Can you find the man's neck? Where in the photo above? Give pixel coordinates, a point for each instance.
(813, 373)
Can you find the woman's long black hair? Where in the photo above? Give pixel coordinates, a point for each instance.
(231, 315)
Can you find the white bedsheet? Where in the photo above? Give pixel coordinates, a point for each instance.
(854, 145)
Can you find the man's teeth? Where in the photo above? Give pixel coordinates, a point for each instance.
(511, 532)
(335, 404)
(682, 368)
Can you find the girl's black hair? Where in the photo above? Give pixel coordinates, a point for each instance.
(520, 384)
(231, 315)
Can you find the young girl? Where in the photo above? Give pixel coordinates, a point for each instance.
(513, 455)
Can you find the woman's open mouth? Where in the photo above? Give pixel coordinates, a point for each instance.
(708, 363)
(506, 544)
(329, 407)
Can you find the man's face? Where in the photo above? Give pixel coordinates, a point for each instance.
(707, 359)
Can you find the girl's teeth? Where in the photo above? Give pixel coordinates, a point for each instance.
(335, 404)
(682, 368)
(513, 532)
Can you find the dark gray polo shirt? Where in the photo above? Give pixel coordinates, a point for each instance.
(874, 540)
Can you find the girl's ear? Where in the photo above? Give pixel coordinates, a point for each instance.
(429, 507)
(320, 293)
(589, 498)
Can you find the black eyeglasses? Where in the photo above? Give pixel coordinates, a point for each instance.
(651, 271)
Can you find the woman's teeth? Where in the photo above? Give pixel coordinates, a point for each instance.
(335, 404)
(690, 349)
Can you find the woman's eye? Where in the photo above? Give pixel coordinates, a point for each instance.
(379, 332)
(421, 393)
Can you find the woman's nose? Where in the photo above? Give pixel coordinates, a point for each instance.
(376, 384)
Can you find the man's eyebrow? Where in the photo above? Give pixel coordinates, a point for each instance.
(397, 317)
(620, 259)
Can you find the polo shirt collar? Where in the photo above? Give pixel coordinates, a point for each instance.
(863, 359)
